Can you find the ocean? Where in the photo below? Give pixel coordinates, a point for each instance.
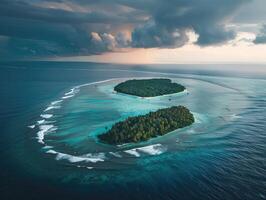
(52, 112)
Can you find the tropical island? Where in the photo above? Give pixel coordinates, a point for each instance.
(149, 87)
(144, 127)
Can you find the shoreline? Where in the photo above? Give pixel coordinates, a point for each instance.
(149, 87)
(185, 91)
(44, 127)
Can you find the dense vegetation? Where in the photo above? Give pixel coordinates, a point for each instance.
(149, 87)
(141, 128)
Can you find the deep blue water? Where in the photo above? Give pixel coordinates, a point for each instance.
(222, 156)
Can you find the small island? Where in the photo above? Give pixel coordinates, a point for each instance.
(144, 127)
(149, 87)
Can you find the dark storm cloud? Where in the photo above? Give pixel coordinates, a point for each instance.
(23, 10)
(207, 18)
(82, 27)
(261, 37)
(153, 35)
(40, 31)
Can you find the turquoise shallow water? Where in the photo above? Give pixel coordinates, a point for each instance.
(69, 126)
(50, 124)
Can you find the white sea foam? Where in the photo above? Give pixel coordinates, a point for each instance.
(70, 158)
(133, 152)
(47, 147)
(51, 152)
(41, 121)
(93, 158)
(72, 91)
(44, 129)
(74, 159)
(32, 126)
(56, 102)
(79, 166)
(47, 127)
(46, 116)
(199, 118)
(122, 145)
(98, 157)
(155, 149)
(51, 107)
(94, 83)
(115, 154)
(66, 97)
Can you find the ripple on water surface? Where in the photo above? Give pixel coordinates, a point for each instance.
(69, 126)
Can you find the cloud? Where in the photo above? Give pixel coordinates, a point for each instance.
(47, 31)
(25, 10)
(261, 37)
(107, 42)
(251, 13)
(37, 28)
(170, 20)
(153, 35)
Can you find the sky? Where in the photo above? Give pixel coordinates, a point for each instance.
(134, 31)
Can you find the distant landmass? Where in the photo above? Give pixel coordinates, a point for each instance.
(149, 87)
(144, 127)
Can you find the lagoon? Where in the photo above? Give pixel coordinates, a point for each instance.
(223, 150)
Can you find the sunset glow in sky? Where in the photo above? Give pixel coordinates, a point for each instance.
(131, 31)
